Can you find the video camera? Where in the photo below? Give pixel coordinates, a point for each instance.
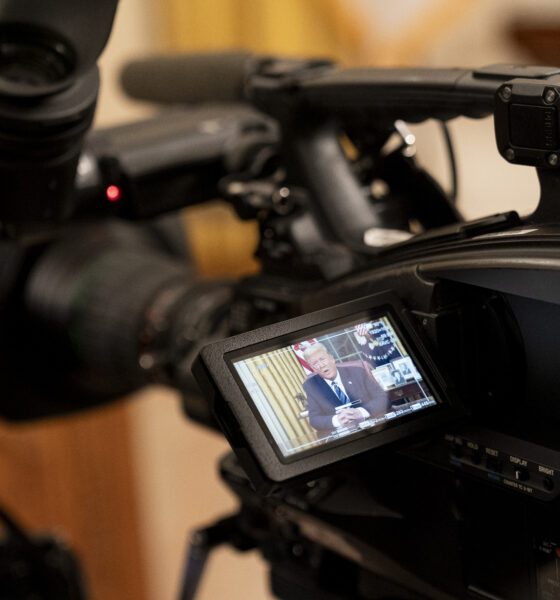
(445, 484)
(450, 491)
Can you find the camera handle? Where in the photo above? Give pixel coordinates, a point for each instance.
(524, 101)
(321, 164)
(310, 98)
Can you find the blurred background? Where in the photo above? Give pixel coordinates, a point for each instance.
(125, 485)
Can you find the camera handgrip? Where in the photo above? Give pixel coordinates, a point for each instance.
(339, 200)
(413, 94)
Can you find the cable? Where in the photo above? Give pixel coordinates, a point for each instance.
(452, 163)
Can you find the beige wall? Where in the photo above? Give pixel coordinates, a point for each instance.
(137, 31)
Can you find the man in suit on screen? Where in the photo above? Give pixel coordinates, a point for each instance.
(339, 396)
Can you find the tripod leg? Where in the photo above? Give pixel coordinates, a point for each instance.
(197, 556)
(202, 542)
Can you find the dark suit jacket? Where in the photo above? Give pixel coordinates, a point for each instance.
(321, 400)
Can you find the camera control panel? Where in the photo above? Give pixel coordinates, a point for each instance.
(521, 466)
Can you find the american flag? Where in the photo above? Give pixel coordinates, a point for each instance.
(299, 349)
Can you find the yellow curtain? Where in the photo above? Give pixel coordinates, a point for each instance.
(331, 28)
(280, 382)
(327, 28)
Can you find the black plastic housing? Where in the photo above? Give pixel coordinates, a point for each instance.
(246, 431)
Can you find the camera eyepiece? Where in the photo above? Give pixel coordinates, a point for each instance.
(34, 61)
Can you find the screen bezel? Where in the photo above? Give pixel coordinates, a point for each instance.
(334, 326)
(219, 359)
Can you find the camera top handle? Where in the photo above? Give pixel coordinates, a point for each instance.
(312, 99)
(524, 101)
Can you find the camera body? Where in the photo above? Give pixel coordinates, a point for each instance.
(464, 506)
(465, 509)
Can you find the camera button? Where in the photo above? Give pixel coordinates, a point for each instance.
(548, 483)
(457, 450)
(476, 457)
(521, 474)
(494, 464)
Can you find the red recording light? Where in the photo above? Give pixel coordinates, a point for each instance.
(113, 193)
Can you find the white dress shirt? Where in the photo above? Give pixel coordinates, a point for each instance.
(336, 423)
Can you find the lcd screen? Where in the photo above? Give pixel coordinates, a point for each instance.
(337, 384)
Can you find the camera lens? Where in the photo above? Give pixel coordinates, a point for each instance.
(129, 312)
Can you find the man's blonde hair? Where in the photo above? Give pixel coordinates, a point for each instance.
(311, 350)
